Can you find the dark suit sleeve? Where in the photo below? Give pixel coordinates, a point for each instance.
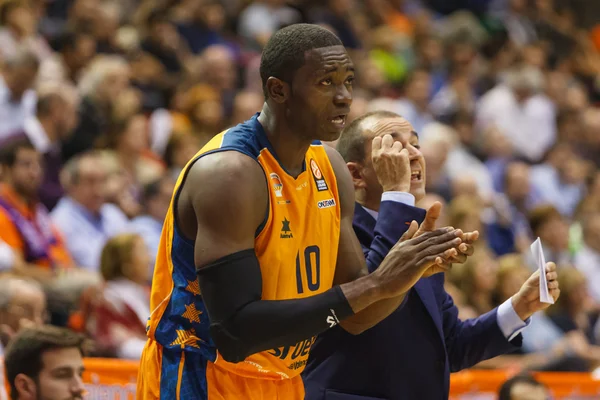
(474, 340)
(393, 220)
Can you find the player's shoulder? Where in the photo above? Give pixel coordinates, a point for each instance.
(228, 166)
(335, 159)
(246, 137)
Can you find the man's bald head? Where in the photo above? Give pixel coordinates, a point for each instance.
(351, 144)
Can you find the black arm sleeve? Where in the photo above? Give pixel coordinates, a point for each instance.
(242, 324)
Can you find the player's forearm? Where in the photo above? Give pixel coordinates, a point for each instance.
(371, 315)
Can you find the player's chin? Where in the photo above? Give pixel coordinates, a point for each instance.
(330, 135)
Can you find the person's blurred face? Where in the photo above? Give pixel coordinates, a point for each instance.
(20, 79)
(517, 182)
(84, 51)
(159, 204)
(89, 189)
(27, 309)
(209, 115)
(26, 174)
(419, 88)
(485, 273)
(186, 149)
(135, 139)
(60, 377)
(527, 391)
(592, 232)
(113, 84)
(403, 132)
(22, 20)
(64, 117)
(431, 51)
(555, 232)
(512, 282)
(245, 105)
(137, 268)
(220, 68)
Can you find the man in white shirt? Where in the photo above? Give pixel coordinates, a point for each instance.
(17, 98)
(587, 259)
(524, 115)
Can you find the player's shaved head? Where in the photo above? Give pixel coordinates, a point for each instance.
(352, 141)
(285, 52)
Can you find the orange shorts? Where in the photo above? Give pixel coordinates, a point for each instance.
(178, 375)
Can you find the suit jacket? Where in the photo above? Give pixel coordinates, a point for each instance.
(410, 354)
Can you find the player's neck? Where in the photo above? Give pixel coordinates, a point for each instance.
(289, 147)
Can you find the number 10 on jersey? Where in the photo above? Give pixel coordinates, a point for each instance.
(308, 269)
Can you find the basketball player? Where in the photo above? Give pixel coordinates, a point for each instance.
(258, 255)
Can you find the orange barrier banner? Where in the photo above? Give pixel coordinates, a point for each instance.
(111, 379)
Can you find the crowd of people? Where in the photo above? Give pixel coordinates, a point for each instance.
(102, 104)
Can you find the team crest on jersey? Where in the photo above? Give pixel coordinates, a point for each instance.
(276, 182)
(318, 176)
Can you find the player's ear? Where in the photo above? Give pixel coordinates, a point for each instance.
(278, 90)
(356, 171)
(25, 386)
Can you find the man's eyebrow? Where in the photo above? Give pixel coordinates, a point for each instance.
(415, 133)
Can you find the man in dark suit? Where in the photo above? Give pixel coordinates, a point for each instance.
(411, 353)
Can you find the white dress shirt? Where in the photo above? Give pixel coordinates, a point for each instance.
(507, 318)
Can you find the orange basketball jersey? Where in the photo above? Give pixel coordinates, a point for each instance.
(297, 248)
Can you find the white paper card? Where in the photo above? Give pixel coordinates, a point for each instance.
(538, 256)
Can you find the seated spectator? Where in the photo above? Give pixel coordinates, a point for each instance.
(572, 311)
(75, 51)
(45, 363)
(24, 222)
(523, 387)
(19, 29)
(84, 217)
(101, 84)
(117, 320)
(587, 259)
(560, 181)
(22, 305)
(180, 149)
(155, 200)
(53, 122)
(552, 229)
(17, 97)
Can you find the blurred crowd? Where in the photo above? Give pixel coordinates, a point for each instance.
(102, 103)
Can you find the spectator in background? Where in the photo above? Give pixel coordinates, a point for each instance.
(553, 230)
(572, 312)
(75, 50)
(261, 18)
(54, 121)
(587, 259)
(560, 181)
(180, 149)
(246, 104)
(521, 112)
(7, 257)
(117, 321)
(523, 387)
(45, 363)
(101, 83)
(22, 305)
(17, 98)
(163, 42)
(414, 105)
(24, 222)
(219, 70)
(83, 215)
(155, 200)
(19, 29)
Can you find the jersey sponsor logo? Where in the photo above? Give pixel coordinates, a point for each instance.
(276, 182)
(326, 203)
(286, 231)
(318, 176)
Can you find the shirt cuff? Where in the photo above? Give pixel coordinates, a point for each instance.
(399, 197)
(509, 321)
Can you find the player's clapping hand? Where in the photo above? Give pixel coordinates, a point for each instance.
(527, 301)
(464, 250)
(412, 256)
(391, 164)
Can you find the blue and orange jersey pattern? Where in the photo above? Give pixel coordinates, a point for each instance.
(296, 246)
